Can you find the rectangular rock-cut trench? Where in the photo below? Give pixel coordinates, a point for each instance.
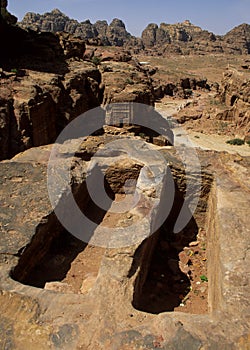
(175, 278)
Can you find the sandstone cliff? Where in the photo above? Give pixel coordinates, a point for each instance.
(235, 93)
(101, 33)
(179, 38)
(186, 38)
(238, 39)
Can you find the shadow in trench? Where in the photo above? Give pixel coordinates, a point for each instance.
(161, 285)
(49, 256)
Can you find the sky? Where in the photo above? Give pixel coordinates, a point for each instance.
(217, 16)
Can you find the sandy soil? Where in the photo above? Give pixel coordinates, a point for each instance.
(200, 140)
(216, 143)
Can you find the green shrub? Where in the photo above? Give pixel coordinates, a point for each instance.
(129, 81)
(248, 142)
(204, 278)
(96, 60)
(237, 142)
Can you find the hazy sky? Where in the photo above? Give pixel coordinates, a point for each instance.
(218, 16)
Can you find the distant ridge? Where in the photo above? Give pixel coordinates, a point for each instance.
(180, 38)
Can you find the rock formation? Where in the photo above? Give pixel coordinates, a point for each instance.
(179, 88)
(36, 106)
(238, 39)
(225, 110)
(98, 33)
(4, 13)
(179, 38)
(128, 281)
(126, 81)
(49, 79)
(35, 249)
(186, 38)
(235, 93)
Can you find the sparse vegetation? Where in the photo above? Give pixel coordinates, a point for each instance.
(129, 81)
(236, 142)
(222, 126)
(96, 60)
(204, 278)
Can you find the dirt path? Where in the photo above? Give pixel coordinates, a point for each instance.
(199, 140)
(216, 143)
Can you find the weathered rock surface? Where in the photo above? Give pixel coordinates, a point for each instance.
(238, 39)
(126, 82)
(104, 317)
(179, 38)
(45, 83)
(186, 38)
(101, 32)
(103, 311)
(225, 111)
(235, 93)
(36, 106)
(181, 88)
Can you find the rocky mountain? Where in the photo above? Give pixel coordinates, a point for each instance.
(186, 38)
(239, 37)
(102, 33)
(180, 38)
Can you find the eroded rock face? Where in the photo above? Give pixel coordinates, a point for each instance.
(6, 132)
(48, 79)
(126, 82)
(69, 320)
(181, 88)
(187, 38)
(55, 21)
(234, 98)
(38, 105)
(179, 38)
(235, 94)
(72, 47)
(223, 109)
(238, 39)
